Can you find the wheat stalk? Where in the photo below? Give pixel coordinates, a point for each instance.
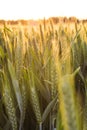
(9, 104)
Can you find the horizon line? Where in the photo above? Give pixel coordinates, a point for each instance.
(42, 18)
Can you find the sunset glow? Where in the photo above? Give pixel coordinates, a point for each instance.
(35, 9)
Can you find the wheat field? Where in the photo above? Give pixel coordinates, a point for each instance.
(43, 76)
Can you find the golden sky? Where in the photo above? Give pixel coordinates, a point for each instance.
(35, 9)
